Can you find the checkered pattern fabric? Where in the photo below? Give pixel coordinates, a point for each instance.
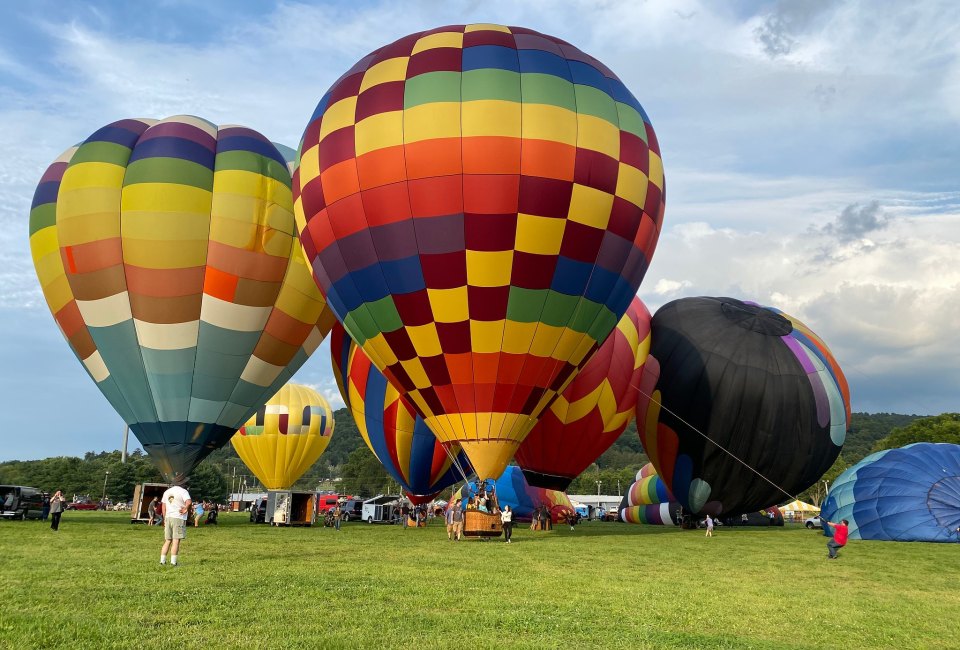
(592, 412)
(390, 426)
(167, 253)
(286, 436)
(479, 204)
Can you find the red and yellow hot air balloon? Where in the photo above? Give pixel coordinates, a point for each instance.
(286, 436)
(390, 426)
(593, 410)
(479, 204)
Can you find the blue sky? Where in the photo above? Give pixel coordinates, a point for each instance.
(811, 152)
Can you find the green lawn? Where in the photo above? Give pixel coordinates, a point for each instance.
(97, 583)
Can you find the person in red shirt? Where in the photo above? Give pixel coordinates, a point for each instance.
(839, 540)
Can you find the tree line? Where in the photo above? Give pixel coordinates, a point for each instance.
(348, 466)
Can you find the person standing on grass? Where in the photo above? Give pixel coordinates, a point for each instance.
(506, 519)
(448, 516)
(56, 509)
(457, 521)
(840, 533)
(175, 504)
(337, 513)
(152, 511)
(197, 514)
(709, 526)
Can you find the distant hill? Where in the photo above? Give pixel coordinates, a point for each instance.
(868, 428)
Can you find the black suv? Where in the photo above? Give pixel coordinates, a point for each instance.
(258, 511)
(351, 510)
(19, 502)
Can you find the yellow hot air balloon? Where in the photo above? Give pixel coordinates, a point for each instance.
(286, 436)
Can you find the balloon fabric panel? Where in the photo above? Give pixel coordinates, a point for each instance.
(186, 296)
(748, 378)
(910, 494)
(392, 429)
(591, 413)
(286, 436)
(479, 205)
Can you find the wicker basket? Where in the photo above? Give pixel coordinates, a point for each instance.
(481, 524)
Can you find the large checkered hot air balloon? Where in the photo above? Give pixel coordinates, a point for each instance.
(593, 410)
(286, 436)
(749, 406)
(397, 436)
(479, 205)
(167, 253)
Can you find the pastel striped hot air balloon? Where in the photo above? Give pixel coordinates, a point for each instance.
(286, 436)
(747, 405)
(479, 204)
(593, 410)
(390, 426)
(648, 501)
(167, 254)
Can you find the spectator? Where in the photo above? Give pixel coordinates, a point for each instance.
(152, 511)
(175, 505)
(56, 509)
(457, 521)
(709, 522)
(197, 514)
(449, 519)
(506, 519)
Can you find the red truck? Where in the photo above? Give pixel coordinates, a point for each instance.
(82, 503)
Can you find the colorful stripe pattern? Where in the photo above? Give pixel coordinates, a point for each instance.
(910, 494)
(479, 204)
(167, 253)
(393, 431)
(752, 380)
(593, 410)
(286, 436)
(648, 501)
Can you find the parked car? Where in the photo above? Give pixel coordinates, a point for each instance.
(813, 522)
(83, 503)
(351, 510)
(121, 506)
(20, 502)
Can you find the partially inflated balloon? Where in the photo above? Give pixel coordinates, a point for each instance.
(513, 490)
(479, 205)
(393, 431)
(648, 501)
(911, 494)
(593, 410)
(167, 253)
(286, 436)
(751, 380)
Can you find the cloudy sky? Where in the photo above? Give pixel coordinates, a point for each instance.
(811, 152)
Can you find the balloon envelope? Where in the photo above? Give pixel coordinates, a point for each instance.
(751, 380)
(513, 490)
(286, 436)
(479, 204)
(648, 501)
(393, 431)
(166, 251)
(593, 410)
(911, 494)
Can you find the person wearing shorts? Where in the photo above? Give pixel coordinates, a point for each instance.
(175, 504)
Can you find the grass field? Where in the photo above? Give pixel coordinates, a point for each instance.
(97, 583)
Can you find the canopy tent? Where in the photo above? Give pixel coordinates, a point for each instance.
(799, 506)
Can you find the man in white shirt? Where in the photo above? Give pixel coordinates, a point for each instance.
(175, 503)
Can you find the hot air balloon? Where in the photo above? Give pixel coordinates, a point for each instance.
(393, 431)
(286, 436)
(593, 410)
(167, 254)
(513, 490)
(648, 501)
(479, 204)
(749, 405)
(910, 494)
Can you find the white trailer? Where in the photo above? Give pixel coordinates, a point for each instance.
(381, 509)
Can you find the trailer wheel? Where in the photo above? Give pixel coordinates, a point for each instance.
(369, 520)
